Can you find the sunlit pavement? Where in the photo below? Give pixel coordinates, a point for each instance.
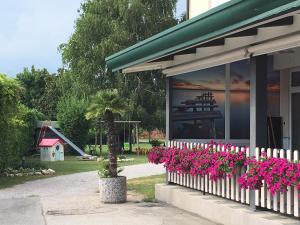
(73, 199)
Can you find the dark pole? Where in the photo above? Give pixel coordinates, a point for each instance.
(100, 138)
(258, 108)
(130, 138)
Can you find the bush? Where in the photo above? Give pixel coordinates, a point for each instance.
(71, 117)
(155, 143)
(17, 124)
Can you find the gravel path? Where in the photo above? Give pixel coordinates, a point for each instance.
(74, 184)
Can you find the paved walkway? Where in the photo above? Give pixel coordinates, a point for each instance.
(73, 199)
(74, 184)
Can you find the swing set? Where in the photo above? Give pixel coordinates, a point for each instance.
(131, 125)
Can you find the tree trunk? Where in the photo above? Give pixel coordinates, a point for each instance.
(111, 142)
(130, 139)
(100, 139)
(96, 139)
(149, 137)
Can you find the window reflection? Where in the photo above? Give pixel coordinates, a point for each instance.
(240, 100)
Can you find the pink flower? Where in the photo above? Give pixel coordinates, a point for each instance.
(277, 173)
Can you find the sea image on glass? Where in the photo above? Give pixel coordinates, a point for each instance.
(198, 104)
(240, 100)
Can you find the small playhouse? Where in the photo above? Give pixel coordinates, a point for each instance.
(51, 149)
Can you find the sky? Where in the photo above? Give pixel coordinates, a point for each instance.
(32, 30)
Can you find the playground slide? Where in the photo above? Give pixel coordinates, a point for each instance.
(82, 153)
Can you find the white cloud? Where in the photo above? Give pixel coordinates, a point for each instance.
(32, 31)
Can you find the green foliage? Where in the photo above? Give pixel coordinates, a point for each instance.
(103, 171)
(106, 104)
(17, 124)
(106, 100)
(9, 97)
(69, 166)
(155, 143)
(27, 132)
(146, 186)
(71, 117)
(39, 91)
(104, 28)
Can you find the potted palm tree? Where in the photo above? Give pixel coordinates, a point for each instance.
(106, 105)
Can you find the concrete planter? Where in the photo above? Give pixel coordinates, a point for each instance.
(113, 190)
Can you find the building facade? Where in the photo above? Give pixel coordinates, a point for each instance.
(233, 75)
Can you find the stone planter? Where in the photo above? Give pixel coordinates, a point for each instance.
(113, 190)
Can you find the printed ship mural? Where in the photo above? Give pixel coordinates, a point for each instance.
(198, 102)
(199, 110)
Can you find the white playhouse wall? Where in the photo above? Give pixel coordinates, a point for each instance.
(50, 153)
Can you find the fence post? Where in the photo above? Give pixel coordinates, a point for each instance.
(289, 189)
(169, 144)
(296, 198)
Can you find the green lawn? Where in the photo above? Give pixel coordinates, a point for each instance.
(105, 148)
(11, 181)
(146, 186)
(69, 166)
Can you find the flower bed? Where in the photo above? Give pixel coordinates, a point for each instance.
(278, 173)
(9, 172)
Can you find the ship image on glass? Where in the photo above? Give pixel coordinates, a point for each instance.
(200, 110)
(198, 104)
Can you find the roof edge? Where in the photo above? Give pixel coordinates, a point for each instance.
(215, 23)
(177, 27)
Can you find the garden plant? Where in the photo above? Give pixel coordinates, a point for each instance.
(278, 173)
(106, 105)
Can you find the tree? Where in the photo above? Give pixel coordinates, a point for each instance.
(9, 97)
(17, 124)
(49, 99)
(71, 118)
(147, 94)
(104, 28)
(107, 104)
(39, 91)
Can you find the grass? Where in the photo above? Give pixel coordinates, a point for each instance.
(6, 182)
(105, 148)
(146, 186)
(69, 166)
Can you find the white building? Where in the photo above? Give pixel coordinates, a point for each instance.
(233, 75)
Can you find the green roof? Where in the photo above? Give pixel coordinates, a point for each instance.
(228, 17)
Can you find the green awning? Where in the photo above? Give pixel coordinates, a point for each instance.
(217, 22)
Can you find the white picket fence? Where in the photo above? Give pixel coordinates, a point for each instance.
(287, 203)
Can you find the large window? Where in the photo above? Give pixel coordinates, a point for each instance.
(273, 90)
(198, 104)
(205, 101)
(240, 100)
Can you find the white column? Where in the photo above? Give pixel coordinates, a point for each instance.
(196, 7)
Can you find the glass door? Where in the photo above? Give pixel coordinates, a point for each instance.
(295, 110)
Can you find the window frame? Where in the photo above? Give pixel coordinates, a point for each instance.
(227, 138)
